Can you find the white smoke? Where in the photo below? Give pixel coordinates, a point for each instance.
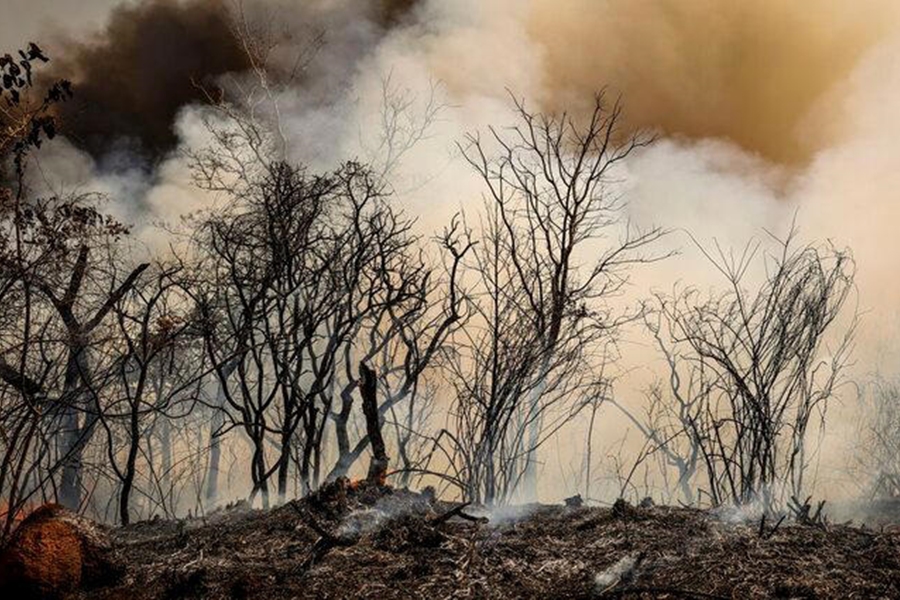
(842, 188)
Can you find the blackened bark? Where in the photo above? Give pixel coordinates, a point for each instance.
(368, 386)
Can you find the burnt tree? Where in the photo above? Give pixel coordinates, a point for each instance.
(368, 389)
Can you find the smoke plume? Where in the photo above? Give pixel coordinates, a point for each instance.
(157, 56)
(766, 109)
(146, 64)
(755, 73)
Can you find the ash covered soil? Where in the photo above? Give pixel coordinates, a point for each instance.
(377, 542)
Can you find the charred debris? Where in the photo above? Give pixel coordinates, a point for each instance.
(367, 540)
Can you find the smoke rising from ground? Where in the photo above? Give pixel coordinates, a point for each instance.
(766, 109)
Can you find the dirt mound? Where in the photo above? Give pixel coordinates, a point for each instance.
(53, 553)
(375, 542)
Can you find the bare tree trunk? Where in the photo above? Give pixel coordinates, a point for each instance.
(130, 467)
(72, 432)
(342, 437)
(258, 471)
(368, 388)
(70, 484)
(529, 487)
(589, 451)
(165, 439)
(284, 464)
(215, 444)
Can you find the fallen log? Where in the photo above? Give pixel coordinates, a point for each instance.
(55, 552)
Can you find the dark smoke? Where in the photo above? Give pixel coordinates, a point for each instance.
(394, 12)
(151, 60)
(132, 79)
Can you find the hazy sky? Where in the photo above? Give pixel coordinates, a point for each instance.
(26, 20)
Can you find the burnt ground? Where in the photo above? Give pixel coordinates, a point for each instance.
(383, 543)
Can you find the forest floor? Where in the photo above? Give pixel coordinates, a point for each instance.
(375, 542)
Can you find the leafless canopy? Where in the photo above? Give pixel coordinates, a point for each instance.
(553, 251)
(752, 369)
